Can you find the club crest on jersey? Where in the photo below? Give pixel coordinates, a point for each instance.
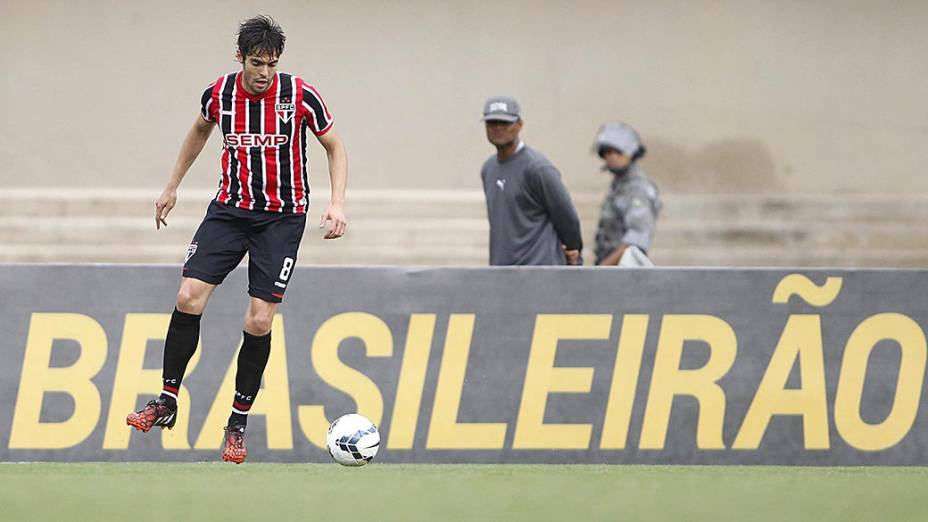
(285, 110)
(192, 249)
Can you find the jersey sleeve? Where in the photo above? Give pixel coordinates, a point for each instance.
(315, 110)
(207, 111)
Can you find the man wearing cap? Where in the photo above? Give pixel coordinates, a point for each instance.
(532, 219)
(629, 212)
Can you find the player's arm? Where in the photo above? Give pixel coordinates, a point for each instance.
(193, 144)
(338, 178)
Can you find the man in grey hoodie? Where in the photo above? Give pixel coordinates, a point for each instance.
(532, 219)
(629, 212)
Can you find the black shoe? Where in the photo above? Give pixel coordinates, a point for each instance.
(156, 413)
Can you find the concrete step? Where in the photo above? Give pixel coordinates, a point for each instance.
(830, 208)
(399, 204)
(331, 253)
(316, 253)
(125, 231)
(764, 257)
(472, 232)
(450, 228)
(391, 204)
(812, 234)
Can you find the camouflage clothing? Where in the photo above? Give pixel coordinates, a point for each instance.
(629, 213)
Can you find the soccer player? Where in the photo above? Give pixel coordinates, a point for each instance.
(260, 209)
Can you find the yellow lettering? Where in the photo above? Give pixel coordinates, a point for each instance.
(624, 382)
(855, 431)
(445, 432)
(412, 380)
(668, 380)
(378, 341)
(543, 378)
(273, 399)
(133, 380)
(804, 288)
(28, 431)
(802, 341)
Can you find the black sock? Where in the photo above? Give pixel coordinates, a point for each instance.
(252, 359)
(179, 346)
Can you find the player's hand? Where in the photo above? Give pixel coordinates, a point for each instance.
(335, 216)
(163, 207)
(572, 256)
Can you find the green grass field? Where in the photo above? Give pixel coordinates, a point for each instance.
(217, 491)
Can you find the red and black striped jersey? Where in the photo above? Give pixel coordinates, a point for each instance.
(264, 140)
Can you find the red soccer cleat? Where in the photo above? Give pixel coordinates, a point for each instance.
(156, 413)
(234, 448)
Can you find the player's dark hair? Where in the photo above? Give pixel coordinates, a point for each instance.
(260, 35)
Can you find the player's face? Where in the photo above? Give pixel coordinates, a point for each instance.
(616, 160)
(502, 134)
(258, 71)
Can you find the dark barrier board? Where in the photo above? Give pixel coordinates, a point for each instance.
(559, 365)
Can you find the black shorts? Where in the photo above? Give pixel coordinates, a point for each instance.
(271, 240)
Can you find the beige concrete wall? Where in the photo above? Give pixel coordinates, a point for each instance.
(752, 96)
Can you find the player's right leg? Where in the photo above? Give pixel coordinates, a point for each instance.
(155, 413)
(179, 347)
(217, 248)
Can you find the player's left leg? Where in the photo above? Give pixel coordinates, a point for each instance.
(272, 248)
(252, 359)
(217, 248)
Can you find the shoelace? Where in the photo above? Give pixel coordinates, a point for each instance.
(237, 436)
(160, 409)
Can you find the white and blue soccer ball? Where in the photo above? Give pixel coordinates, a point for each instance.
(353, 440)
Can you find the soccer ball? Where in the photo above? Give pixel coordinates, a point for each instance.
(353, 440)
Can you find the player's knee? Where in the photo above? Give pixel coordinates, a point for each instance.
(188, 302)
(258, 324)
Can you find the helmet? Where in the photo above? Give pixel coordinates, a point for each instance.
(621, 137)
